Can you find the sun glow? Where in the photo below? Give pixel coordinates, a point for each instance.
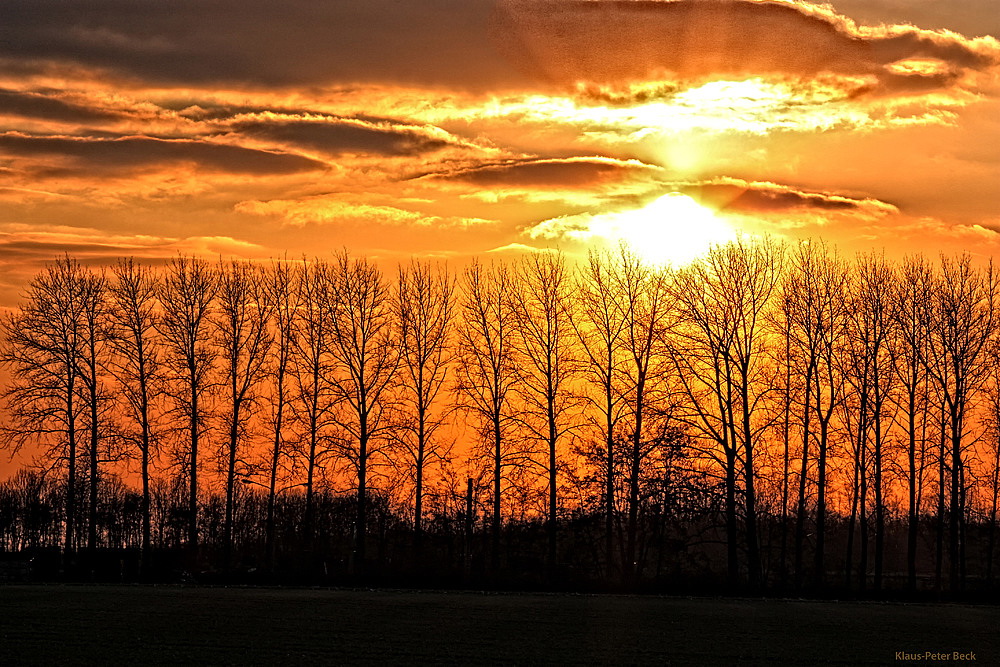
(672, 230)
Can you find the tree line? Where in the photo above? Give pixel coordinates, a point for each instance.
(767, 416)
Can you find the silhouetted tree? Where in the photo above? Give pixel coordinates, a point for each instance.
(598, 321)
(545, 342)
(868, 340)
(486, 373)
(314, 398)
(964, 317)
(648, 314)
(365, 358)
(43, 350)
(185, 295)
(814, 298)
(92, 338)
(135, 362)
(241, 319)
(424, 312)
(911, 312)
(720, 350)
(279, 285)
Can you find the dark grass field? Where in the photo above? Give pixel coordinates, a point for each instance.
(113, 625)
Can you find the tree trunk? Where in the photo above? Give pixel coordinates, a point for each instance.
(851, 526)
(879, 505)
(193, 487)
(553, 525)
(912, 512)
(71, 474)
(269, 529)
(753, 543)
(732, 529)
(819, 556)
(497, 479)
(800, 519)
(863, 559)
(362, 520)
(955, 505)
(94, 476)
(418, 509)
(609, 487)
(230, 488)
(307, 520)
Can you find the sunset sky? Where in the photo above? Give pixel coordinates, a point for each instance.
(456, 127)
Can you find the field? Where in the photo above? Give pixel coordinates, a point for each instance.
(169, 625)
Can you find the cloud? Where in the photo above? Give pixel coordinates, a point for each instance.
(691, 216)
(736, 195)
(336, 135)
(622, 41)
(123, 153)
(519, 249)
(970, 17)
(36, 242)
(549, 172)
(25, 249)
(31, 104)
(481, 45)
(331, 209)
(299, 42)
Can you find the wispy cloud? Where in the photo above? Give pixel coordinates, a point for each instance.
(118, 153)
(334, 210)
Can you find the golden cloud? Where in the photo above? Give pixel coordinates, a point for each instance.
(331, 209)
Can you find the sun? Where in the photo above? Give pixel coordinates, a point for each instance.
(672, 230)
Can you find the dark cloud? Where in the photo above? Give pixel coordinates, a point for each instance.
(916, 44)
(756, 197)
(296, 42)
(543, 173)
(133, 152)
(50, 249)
(617, 41)
(39, 105)
(341, 135)
(969, 17)
(472, 44)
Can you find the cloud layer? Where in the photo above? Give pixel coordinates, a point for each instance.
(452, 127)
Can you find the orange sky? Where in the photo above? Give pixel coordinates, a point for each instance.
(454, 127)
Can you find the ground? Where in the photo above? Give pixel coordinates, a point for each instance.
(174, 624)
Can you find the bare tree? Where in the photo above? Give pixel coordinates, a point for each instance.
(424, 314)
(545, 342)
(186, 297)
(599, 326)
(647, 312)
(913, 293)
(964, 317)
(789, 386)
(279, 285)
(242, 315)
(42, 349)
(314, 400)
(991, 419)
(135, 362)
(815, 308)
(720, 349)
(365, 358)
(486, 373)
(870, 369)
(91, 296)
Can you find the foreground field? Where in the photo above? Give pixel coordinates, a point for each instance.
(169, 625)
